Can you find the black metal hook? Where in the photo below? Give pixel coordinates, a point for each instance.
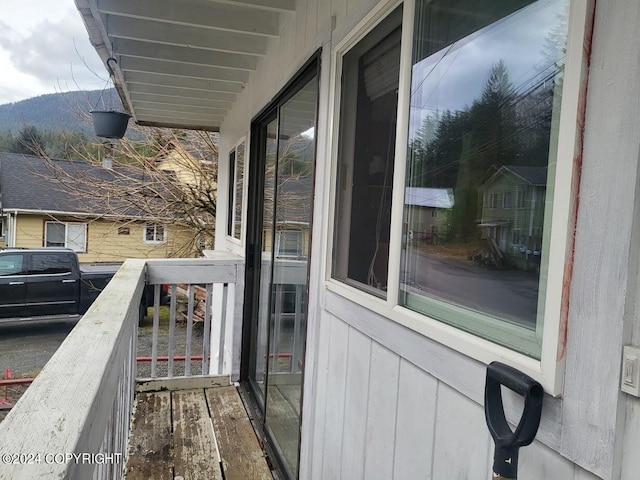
(109, 67)
(508, 442)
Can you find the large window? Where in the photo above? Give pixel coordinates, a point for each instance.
(482, 116)
(68, 235)
(485, 92)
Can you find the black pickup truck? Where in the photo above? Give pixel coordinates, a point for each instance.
(49, 282)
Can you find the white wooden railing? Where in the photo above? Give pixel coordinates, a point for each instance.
(73, 421)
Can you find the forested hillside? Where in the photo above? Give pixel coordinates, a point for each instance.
(57, 112)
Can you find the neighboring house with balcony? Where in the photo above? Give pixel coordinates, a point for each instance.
(42, 206)
(512, 212)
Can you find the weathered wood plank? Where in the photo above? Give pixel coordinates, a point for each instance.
(150, 442)
(195, 454)
(180, 270)
(241, 455)
(182, 383)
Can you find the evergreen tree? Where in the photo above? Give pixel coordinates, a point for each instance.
(29, 141)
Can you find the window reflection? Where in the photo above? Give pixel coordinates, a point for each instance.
(483, 122)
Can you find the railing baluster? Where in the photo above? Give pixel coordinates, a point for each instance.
(206, 334)
(187, 354)
(223, 321)
(172, 329)
(156, 327)
(297, 323)
(275, 341)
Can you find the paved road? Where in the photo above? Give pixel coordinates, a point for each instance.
(25, 348)
(510, 294)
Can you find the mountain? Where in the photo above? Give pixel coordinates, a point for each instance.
(68, 111)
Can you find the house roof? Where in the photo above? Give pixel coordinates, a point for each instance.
(183, 64)
(536, 176)
(183, 149)
(429, 197)
(31, 183)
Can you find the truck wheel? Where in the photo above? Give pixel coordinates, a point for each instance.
(142, 312)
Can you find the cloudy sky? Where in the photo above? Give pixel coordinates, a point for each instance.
(44, 48)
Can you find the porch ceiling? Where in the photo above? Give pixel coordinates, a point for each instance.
(181, 64)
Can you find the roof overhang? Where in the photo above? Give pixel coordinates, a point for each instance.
(56, 214)
(182, 64)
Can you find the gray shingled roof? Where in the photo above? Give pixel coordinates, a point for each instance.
(32, 183)
(536, 176)
(533, 175)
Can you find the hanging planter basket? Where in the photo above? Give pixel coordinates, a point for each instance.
(110, 124)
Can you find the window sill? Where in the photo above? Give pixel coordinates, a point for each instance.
(463, 343)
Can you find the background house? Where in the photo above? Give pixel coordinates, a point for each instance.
(427, 211)
(512, 212)
(44, 205)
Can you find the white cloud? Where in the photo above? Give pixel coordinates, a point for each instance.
(44, 48)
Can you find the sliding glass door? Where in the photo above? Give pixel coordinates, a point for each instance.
(278, 249)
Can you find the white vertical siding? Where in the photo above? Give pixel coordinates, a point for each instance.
(539, 461)
(384, 402)
(355, 403)
(461, 445)
(415, 422)
(381, 414)
(335, 393)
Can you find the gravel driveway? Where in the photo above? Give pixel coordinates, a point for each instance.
(26, 347)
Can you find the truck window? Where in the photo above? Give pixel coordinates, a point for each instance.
(48, 264)
(11, 265)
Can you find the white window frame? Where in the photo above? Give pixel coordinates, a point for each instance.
(300, 240)
(549, 370)
(67, 243)
(232, 180)
(155, 241)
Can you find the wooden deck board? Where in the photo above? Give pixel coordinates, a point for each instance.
(194, 453)
(150, 446)
(241, 455)
(174, 434)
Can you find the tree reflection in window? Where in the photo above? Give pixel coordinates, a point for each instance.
(485, 92)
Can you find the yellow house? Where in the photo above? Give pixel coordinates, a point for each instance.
(192, 167)
(42, 207)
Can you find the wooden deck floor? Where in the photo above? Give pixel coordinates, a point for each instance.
(194, 434)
